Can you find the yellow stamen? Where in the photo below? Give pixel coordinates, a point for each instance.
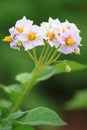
(65, 29)
(32, 36)
(20, 30)
(68, 27)
(50, 35)
(8, 39)
(69, 41)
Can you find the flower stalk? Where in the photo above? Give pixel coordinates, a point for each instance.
(40, 65)
(28, 87)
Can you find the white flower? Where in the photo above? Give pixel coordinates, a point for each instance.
(15, 32)
(16, 39)
(32, 37)
(69, 41)
(22, 24)
(51, 31)
(63, 36)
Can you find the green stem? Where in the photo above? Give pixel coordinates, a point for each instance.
(30, 55)
(45, 54)
(52, 58)
(57, 57)
(35, 55)
(28, 87)
(49, 54)
(41, 55)
(40, 66)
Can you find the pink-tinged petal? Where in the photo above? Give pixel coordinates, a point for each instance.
(33, 44)
(66, 49)
(13, 31)
(14, 46)
(23, 22)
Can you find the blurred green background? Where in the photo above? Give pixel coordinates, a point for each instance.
(59, 88)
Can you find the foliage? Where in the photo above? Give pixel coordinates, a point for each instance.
(36, 116)
(79, 101)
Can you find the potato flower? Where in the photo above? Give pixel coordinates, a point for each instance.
(69, 38)
(51, 31)
(32, 37)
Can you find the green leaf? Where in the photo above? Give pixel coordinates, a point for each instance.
(15, 87)
(58, 68)
(11, 119)
(5, 103)
(6, 124)
(24, 77)
(13, 91)
(46, 74)
(75, 66)
(41, 116)
(79, 101)
(5, 107)
(6, 128)
(17, 114)
(25, 127)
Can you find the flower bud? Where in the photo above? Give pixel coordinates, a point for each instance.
(67, 68)
(77, 51)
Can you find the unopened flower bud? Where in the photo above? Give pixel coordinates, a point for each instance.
(67, 68)
(8, 39)
(19, 44)
(77, 51)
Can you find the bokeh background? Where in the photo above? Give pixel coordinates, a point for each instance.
(58, 90)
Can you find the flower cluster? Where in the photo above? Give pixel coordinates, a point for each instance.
(63, 36)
